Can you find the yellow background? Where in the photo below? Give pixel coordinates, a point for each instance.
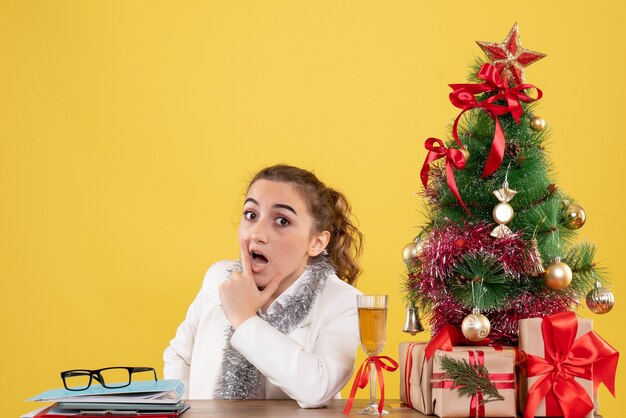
(129, 130)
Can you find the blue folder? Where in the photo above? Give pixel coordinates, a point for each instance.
(163, 391)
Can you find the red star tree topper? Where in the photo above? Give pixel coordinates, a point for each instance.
(509, 57)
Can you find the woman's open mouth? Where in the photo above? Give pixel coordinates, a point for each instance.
(259, 261)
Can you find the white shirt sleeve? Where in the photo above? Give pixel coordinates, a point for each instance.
(177, 356)
(311, 378)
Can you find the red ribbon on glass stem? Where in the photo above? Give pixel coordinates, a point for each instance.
(362, 378)
(463, 97)
(588, 357)
(454, 159)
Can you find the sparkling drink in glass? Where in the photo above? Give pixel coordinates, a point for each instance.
(373, 331)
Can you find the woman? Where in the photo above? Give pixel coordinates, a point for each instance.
(281, 322)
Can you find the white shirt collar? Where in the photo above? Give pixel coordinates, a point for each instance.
(290, 291)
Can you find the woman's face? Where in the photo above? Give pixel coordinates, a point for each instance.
(278, 232)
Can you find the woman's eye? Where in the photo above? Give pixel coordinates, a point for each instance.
(282, 221)
(249, 215)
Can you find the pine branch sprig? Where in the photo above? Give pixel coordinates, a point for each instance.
(479, 282)
(469, 380)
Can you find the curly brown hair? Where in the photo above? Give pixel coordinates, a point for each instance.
(332, 213)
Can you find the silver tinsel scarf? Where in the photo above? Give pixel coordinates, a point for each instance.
(239, 379)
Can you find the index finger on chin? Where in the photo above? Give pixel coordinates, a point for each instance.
(246, 259)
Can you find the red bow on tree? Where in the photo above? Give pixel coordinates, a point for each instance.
(588, 357)
(454, 158)
(464, 98)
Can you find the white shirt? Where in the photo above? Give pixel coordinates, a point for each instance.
(311, 364)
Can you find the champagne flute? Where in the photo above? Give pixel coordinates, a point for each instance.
(372, 329)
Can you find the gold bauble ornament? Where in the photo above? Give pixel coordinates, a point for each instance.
(600, 300)
(574, 216)
(410, 254)
(537, 123)
(466, 154)
(411, 250)
(475, 326)
(558, 275)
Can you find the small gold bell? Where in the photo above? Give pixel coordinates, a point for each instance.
(412, 324)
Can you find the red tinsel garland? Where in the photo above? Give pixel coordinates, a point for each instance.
(447, 245)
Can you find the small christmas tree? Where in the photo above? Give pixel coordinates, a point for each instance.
(498, 246)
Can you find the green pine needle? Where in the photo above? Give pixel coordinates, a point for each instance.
(584, 271)
(478, 281)
(469, 380)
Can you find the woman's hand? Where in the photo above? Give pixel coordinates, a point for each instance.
(240, 297)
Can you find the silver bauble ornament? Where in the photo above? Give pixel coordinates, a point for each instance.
(600, 300)
(475, 326)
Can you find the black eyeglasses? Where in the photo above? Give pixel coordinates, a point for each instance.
(109, 377)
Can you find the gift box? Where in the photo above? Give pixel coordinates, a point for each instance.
(416, 372)
(415, 376)
(491, 383)
(564, 361)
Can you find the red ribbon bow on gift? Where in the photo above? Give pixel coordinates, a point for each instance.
(464, 98)
(448, 337)
(588, 357)
(454, 158)
(499, 380)
(362, 378)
